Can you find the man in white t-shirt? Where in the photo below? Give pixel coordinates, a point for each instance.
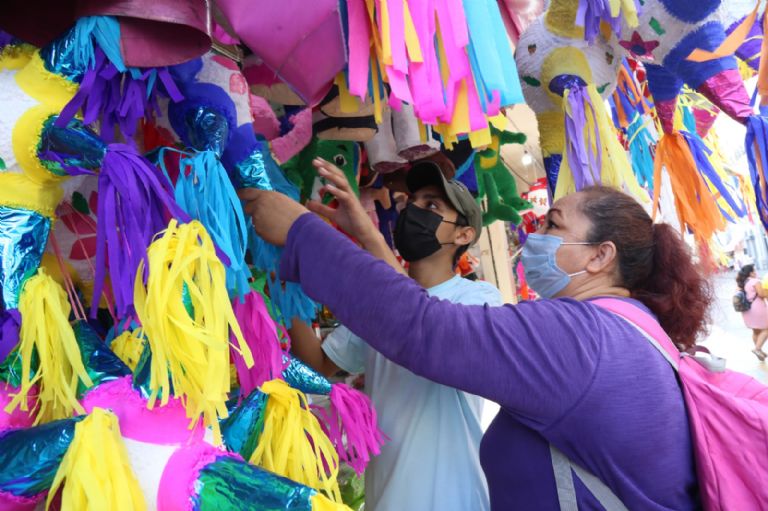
(431, 461)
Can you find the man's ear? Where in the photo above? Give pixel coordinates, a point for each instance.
(464, 236)
(604, 259)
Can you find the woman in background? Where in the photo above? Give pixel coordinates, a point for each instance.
(756, 317)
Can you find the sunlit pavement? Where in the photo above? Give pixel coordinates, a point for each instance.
(728, 338)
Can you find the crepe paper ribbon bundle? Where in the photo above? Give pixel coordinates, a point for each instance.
(48, 339)
(29, 460)
(111, 93)
(260, 333)
(593, 154)
(95, 473)
(444, 59)
(86, 458)
(641, 143)
(592, 13)
(352, 427)
(292, 443)
(350, 421)
(710, 168)
(190, 349)
(757, 156)
(627, 100)
(696, 209)
(200, 477)
(128, 346)
(205, 192)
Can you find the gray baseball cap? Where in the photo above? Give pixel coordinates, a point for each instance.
(426, 173)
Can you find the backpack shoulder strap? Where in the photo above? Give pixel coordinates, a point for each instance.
(564, 470)
(645, 323)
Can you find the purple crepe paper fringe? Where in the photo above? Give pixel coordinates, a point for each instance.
(119, 100)
(135, 201)
(585, 164)
(591, 13)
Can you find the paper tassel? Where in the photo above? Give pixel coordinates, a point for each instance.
(702, 156)
(95, 473)
(128, 346)
(351, 417)
(757, 155)
(206, 193)
(593, 154)
(135, 199)
(293, 443)
(696, 209)
(591, 13)
(190, 352)
(260, 333)
(48, 339)
(641, 143)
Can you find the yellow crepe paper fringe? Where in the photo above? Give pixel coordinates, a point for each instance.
(95, 472)
(46, 332)
(322, 503)
(190, 353)
(128, 347)
(292, 443)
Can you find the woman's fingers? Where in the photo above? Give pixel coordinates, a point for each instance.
(320, 209)
(332, 174)
(338, 193)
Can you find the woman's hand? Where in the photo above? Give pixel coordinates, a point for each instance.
(350, 215)
(273, 213)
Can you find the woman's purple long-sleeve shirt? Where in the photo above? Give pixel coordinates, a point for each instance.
(564, 372)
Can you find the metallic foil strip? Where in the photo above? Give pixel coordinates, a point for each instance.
(230, 484)
(242, 429)
(302, 377)
(59, 57)
(207, 130)
(252, 173)
(100, 362)
(29, 458)
(76, 146)
(23, 236)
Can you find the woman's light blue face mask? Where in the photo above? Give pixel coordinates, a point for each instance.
(540, 264)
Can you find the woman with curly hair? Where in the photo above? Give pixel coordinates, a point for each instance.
(756, 317)
(592, 415)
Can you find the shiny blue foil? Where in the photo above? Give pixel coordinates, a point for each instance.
(23, 236)
(10, 368)
(206, 130)
(242, 429)
(230, 484)
(142, 374)
(252, 173)
(59, 57)
(302, 377)
(29, 458)
(100, 362)
(74, 146)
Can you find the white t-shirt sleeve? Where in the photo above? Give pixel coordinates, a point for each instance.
(346, 350)
(480, 293)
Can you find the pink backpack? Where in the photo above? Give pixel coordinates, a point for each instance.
(728, 415)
